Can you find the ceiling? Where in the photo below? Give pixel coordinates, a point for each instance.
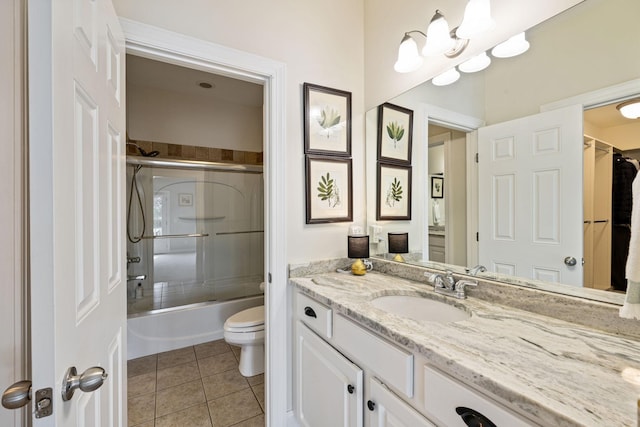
(173, 78)
(606, 116)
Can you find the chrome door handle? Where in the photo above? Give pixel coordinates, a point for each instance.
(570, 261)
(90, 380)
(17, 395)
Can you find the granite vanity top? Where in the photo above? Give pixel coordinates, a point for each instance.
(552, 371)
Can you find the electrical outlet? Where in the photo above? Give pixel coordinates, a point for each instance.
(375, 232)
(355, 230)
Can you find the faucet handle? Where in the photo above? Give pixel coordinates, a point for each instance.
(461, 286)
(435, 279)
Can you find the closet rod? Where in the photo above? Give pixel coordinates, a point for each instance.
(606, 150)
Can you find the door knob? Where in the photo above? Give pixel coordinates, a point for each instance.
(570, 261)
(17, 395)
(90, 380)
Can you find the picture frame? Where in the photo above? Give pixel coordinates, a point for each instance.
(327, 121)
(185, 199)
(395, 134)
(393, 192)
(329, 189)
(437, 187)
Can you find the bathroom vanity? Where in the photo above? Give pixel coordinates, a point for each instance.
(361, 363)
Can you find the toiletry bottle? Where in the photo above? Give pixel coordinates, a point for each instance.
(139, 291)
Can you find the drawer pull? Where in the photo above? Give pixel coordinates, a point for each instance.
(309, 312)
(350, 389)
(473, 418)
(372, 405)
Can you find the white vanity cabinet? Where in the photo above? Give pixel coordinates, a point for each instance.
(385, 409)
(346, 375)
(329, 388)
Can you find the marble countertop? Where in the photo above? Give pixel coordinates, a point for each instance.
(552, 371)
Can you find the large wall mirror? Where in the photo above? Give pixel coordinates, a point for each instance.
(588, 49)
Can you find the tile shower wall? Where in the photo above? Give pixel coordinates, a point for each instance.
(190, 152)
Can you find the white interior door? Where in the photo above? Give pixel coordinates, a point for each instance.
(530, 196)
(77, 166)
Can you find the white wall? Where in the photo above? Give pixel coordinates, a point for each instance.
(386, 23)
(178, 118)
(591, 46)
(320, 43)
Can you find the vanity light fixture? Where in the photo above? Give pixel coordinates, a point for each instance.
(475, 64)
(514, 46)
(446, 78)
(440, 40)
(630, 109)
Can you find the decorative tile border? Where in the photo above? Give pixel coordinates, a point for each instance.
(191, 152)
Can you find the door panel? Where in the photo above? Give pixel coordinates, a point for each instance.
(77, 117)
(530, 196)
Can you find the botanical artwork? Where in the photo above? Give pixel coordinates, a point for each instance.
(329, 189)
(393, 192)
(395, 128)
(437, 187)
(327, 121)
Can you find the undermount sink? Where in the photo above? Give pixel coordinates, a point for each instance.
(420, 308)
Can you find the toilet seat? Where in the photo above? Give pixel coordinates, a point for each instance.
(251, 319)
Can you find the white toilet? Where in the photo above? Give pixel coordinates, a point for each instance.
(246, 330)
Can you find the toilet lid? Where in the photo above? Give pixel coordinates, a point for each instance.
(250, 317)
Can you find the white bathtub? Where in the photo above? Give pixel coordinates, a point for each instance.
(171, 329)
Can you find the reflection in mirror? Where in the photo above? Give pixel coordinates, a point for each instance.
(567, 58)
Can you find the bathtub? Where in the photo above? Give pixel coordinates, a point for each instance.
(170, 329)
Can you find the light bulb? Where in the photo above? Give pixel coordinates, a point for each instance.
(477, 19)
(438, 36)
(515, 46)
(446, 78)
(476, 63)
(408, 57)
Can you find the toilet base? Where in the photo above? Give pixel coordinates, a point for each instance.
(251, 360)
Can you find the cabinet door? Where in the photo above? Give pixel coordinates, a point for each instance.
(385, 409)
(328, 386)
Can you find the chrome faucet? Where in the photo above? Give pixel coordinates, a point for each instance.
(475, 270)
(446, 284)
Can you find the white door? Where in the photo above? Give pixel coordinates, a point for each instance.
(76, 195)
(385, 409)
(530, 196)
(329, 387)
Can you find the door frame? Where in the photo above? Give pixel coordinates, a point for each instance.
(167, 46)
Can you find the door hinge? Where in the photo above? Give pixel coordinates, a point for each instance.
(477, 236)
(269, 277)
(477, 158)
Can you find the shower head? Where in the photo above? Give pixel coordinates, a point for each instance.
(143, 153)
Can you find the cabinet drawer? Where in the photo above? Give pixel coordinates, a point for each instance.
(391, 364)
(442, 395)
(315, 315)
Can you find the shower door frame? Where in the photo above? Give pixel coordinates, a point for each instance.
(166, 46)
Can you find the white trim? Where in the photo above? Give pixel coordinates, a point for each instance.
(451, 119)
(599, 97)
(157, 43)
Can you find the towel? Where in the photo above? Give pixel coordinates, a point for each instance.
(436, 212)
(631, 307)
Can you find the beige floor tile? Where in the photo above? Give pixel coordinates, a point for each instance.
(259, 392)
(180, 397)
(147, 424)
(233, 408)
(176, 357)
(196, 416)
(141, 384)
(252, 422)
(142, 365)
(176, 375)
(211, 348)
(236, 351)
(141, 409)
(255, 380)
(224, 383)
(216, 364)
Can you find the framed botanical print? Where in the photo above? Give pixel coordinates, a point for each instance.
(395, 131)
(393, 192)
(437, 187)
(328, 189)
(327, 121)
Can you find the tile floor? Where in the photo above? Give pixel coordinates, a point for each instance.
(197, 386)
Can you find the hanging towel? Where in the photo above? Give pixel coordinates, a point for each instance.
(631, 307)
(436, 212)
